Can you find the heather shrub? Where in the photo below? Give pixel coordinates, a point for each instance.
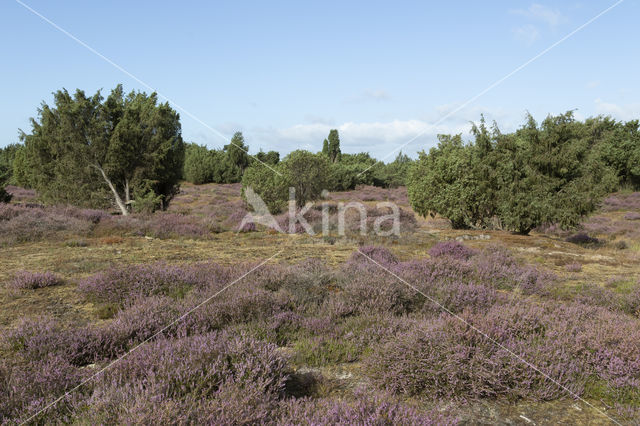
(120, 284)
(364, 410)
(240, 305)
(131, 326)
(28, 387)
(619, 201)
(572, 344)
(452, 249)
(34, 338)
(493, 267)
(496, 267)
(20, 224)
(307, 283)
(632, 216)
(379, 254)
(573, 267)
(187, 376)
(33, 280)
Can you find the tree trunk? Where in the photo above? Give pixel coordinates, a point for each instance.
(119, 202)
(127, 194)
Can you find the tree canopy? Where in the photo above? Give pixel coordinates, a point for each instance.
(86, 150)
(554, 172)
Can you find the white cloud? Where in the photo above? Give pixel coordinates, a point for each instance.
(621, 112)
(537, 14)
(543, 14)
(377, 138)
(527, 34)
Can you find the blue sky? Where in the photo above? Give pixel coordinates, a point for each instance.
(284, 73)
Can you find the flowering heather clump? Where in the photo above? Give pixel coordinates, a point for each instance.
(365, 410)
(373, 193)
(167, 225)
(379, 254)
(21, 195)
(573, 267)
(185, 378)
(34, 338)
(32, 280)
(21, 224)
(28, 387)
(370, 289)
(452, 249)
(617, 202)
(632, 216)
(122, 283)
(603, 225)
(493, 267)
(573, 344)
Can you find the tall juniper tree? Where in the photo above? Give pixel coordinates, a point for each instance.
(85, 150)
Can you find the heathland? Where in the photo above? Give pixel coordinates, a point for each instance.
(431, 326)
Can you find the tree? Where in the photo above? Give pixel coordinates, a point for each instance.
(325, 148)
(333, 146)
(395, 173)
(130, 144)
(272, 188)
(199, 166)
(237, 152)
(551, 173)
(441, 182)
(307, 173)
(302, 170)
(271, 158)
(7, 157)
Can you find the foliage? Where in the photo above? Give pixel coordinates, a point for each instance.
(199, 164)
(237, 152)
(442, 182)
(7, 157)
(395, 173)
(84, 146)
(34, 280)
(451, 248)
(272, 157)
(301, 170)
(270, 186)
(552, 173)
(307, 174)
(333, 146)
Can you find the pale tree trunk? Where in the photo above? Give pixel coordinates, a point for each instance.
(127, 194)
(121, 205)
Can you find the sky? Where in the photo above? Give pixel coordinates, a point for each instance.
(285, 73)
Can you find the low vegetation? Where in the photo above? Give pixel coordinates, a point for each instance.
(136, 297)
